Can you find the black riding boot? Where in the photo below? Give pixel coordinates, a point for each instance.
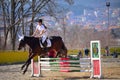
(45, 45)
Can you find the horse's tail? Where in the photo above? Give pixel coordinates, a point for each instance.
(64, 48)
(63, 45)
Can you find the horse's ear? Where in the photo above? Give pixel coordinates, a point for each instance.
(20, 37)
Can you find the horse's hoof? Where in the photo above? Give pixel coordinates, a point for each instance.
(23, 72)
(22, 67)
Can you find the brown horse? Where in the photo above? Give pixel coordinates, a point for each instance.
(35, 48)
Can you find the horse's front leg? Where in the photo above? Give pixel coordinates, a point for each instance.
(26, 67)
(27, 63)
(30, 52)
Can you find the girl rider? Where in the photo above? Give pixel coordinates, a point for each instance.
(41, 32)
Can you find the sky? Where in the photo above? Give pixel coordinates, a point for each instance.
(80, 5)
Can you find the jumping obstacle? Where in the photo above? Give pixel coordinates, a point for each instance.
(61, 65)
(92, 65)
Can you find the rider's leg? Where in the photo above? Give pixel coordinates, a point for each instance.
(44, 41)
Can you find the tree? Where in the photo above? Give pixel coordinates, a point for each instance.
(14, 13)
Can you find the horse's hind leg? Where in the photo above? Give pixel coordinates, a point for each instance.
(57, 54)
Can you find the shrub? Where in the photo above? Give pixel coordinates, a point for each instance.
(10, 57)
(116, 49)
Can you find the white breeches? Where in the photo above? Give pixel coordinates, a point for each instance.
(43, 38)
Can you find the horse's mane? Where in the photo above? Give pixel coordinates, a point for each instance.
(31, 38)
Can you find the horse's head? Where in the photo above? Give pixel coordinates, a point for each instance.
(22, 43)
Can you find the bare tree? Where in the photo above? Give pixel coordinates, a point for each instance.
(14, 13)
(6, 19)
(11, 18)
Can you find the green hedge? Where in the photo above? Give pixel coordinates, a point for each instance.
(72, 52)
(116, 49)
(10, 57)
(75, 52)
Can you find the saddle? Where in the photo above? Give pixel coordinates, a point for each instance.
(46, 44)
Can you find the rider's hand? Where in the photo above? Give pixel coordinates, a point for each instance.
(36, 36)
